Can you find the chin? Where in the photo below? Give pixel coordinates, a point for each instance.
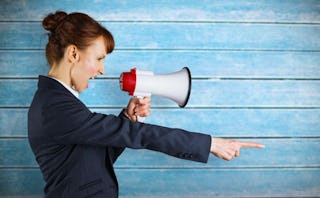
(78, 89)
(81, 90)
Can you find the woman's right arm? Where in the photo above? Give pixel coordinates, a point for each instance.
(71, 122)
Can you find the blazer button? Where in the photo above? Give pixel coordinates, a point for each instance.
(190, 156)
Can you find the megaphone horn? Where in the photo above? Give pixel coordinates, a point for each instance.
(175, 86)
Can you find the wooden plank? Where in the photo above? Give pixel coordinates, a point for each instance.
(242, 122)
(22, 89)
(299, 153)
(226, 93)
(217, 122)
(220, 183)
(205, 93)
(203, 64)
(187, 182)
(19, 64)
(168, 10)
(14, 121)
(21, 182)
(148, 35)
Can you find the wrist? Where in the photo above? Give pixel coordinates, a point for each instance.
(132, 118)
(125, 112)
(212, 145)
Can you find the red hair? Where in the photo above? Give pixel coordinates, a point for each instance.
(72, 29)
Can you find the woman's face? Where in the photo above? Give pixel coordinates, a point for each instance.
(89, 64)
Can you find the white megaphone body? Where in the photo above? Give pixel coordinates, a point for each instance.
(175, 86)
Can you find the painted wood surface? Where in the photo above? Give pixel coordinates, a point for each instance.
(183, 35)
(269, 11)
(203, 63)
(203, 183)
(205, 93)
(300, 153)
(299, 182)
(256, 74)
(226, 122)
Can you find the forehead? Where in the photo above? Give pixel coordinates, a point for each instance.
(97, 46)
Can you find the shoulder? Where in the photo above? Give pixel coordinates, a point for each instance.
(57, 108)
(62, 104)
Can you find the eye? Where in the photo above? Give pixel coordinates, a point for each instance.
(101, 58)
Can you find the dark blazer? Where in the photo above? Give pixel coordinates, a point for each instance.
(76, 148)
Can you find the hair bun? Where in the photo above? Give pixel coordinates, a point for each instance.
(51, 21)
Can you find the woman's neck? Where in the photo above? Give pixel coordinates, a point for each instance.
(61, 72)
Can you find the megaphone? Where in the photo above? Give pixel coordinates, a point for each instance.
(175, 86)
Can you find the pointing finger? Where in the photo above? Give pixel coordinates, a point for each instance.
(251, 145)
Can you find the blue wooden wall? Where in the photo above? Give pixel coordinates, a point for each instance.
(256, 76)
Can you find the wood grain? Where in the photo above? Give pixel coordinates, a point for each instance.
(255, 68)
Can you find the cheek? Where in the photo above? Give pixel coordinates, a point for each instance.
(91, 67)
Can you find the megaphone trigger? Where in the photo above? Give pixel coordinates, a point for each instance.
(139, 118)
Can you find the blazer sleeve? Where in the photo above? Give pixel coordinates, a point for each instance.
(116, 151)
(69, 121)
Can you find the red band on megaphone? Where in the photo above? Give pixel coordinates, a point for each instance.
(129, 81)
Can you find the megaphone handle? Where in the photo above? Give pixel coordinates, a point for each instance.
(139, 118)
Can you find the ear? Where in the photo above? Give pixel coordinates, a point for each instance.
(72, 54)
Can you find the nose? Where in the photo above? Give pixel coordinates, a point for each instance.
(101, 69)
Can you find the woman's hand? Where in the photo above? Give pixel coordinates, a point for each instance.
(228, 149)
(138, 107)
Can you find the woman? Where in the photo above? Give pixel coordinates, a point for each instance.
(76, 148)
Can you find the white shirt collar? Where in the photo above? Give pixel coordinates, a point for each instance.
(74, 92)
